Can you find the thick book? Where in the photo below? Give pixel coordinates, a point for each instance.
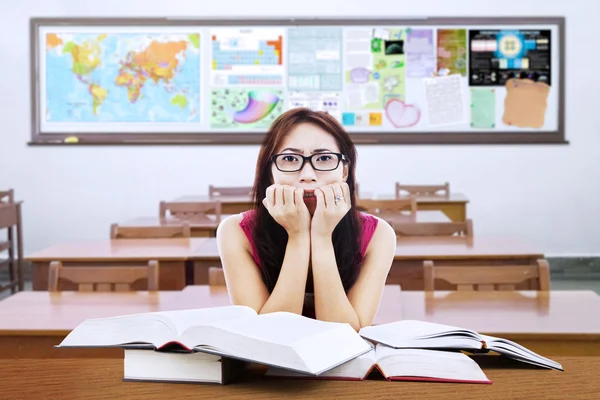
(427, 335)
(147, 365)
(280, 339)
(402, 365)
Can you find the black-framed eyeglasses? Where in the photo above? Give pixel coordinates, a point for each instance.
(292, 162)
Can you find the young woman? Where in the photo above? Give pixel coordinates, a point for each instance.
(304, 247)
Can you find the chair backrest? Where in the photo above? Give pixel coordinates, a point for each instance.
(381, 206)
(229, 190)
(7, 196)
(8, 215)
(487, 277)
(454, 228)
(192, 211)
(101, 278)
(422, 190)
(216, 276)
(151, 232)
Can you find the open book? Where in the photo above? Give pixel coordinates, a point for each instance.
(402, 365)
(280, 339)
(428, 335)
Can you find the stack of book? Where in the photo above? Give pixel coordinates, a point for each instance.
(215, 344)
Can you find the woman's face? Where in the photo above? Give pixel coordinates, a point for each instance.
(308, 139)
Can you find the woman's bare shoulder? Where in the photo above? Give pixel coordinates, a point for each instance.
(230, 233)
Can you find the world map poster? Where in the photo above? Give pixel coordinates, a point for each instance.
(125, 78)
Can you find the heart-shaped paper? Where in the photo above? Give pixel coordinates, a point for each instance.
(402, 115)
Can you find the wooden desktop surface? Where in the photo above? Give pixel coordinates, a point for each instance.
(407, 268)
(208, 221)
(102, 379)
(120, 250)
(557, 322)
(435, 248)
(477, 247)
(172, 255)
(451, 198)
(51, 316)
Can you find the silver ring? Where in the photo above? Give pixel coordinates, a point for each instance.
(338, 198)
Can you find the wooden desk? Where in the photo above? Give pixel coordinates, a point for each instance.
(51, 316)
(229, 204)
(206, 227)
(407, 268)
(172, 254)
(454, 205)
(102, 379)
(551, 323)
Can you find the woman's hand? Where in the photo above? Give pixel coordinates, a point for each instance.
(333, 202)
(286, 206)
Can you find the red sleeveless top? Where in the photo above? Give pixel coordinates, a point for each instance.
(368, 226)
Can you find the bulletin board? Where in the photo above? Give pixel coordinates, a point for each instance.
(469, 80)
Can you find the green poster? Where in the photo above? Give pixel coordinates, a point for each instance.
(483, 108)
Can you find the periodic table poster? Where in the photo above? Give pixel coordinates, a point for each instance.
(374, 77)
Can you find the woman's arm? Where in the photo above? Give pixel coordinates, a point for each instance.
(243, 277)
(359, 306)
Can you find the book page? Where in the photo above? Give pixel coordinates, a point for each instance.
(442, 365)
(516, 351)
(148, 328)
(184, 319)
(281, 339)
(396, 333)
(356, 368)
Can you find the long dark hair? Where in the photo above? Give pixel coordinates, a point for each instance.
(270, 238)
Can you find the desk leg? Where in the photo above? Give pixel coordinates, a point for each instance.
(20, 248)
(457, 212)
(201, 270)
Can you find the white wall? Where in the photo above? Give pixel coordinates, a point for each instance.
(547, 194)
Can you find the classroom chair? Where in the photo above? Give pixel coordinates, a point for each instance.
(487, 277)
(388, 207)
(422, 190)
(11, 244)
(192, 211)
(151, 232)
(455, 228)
(216, 276)
(103, 279)
(7, 196)
(229, 191)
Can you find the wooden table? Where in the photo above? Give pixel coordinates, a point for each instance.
(172, 255)
(100, 379)
(550, 323)
(453, 205)
(51, 316)
(205, 227)
(229, 204)
(407, 268)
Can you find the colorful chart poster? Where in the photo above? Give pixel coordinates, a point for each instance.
(375, 63)
(483, 108)
(247, 57)
(420, 53)
(495, 56)
(314, 59)
(452, 50)
(317, 101)
(120, 81)
(245, 108)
